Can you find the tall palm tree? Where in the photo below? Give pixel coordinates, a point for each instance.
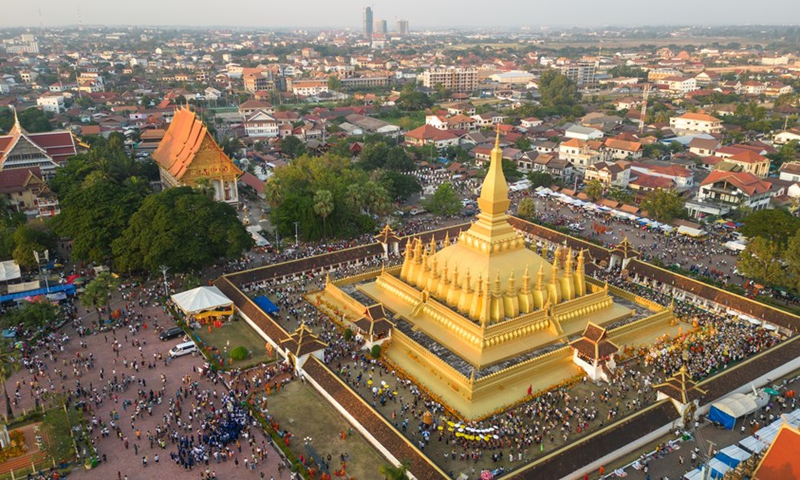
(273, 192)
(323, 206)
(354, 196)
(9, 363)
(391, 472)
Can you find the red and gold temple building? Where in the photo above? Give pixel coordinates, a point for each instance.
(189, 156)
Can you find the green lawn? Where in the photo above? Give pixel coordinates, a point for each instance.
(234, 334)
(298, 408)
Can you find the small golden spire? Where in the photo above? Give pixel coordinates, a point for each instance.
(496, 291)
(540, 279)
(511, 287)
(446, 240)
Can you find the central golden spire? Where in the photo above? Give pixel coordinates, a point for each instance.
(492, 225)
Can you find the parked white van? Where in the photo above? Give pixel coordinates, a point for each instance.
(182, 349)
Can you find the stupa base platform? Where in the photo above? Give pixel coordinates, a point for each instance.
(511, 348)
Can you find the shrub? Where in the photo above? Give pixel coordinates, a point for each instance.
(239, 353)
(376, 351)
(348, 334)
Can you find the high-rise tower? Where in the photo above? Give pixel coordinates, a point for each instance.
(368, 22)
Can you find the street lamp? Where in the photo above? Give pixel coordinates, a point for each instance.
(164, 269)
(46, 257)
(296, 241)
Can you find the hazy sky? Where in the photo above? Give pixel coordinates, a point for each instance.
(420, 13)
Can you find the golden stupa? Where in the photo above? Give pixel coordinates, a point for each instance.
(482, 320)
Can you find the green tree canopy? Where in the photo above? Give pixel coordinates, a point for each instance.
(293, 146)
(399, 185)
(594, 189)
(33, 315)
(760, 261)
(93, 217)
(444, 201)
(31, 238)
(303, 177)
(98, 292)
(776, 225)
(182, 229)
(540, 179)
(527, 208)
(557, 90)
(411, 100)
(663, 205)
(32, 120)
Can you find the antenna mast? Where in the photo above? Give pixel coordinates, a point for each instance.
(645, 96)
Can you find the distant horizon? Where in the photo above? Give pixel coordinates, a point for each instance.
(422, 15)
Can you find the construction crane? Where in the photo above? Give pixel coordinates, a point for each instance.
(645, 95)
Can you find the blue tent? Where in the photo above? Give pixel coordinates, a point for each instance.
(69, 289)
(266, 304)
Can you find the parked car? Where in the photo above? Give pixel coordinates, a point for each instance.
(170, 333)
(182, 349)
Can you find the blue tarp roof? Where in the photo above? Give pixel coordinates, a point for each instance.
(68, 289)
(266, 304)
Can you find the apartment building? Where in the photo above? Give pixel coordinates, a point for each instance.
(455, 79)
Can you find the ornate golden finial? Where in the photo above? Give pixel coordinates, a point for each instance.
(435, 267)
(432, 245)
(467, 282)
(511, 288)
(568, 263)
(496, 286)
(17, 126)
(540, 279)
(526, 281)
(446, 240)
(497, 137)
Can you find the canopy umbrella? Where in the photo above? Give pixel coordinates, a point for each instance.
(771, 391)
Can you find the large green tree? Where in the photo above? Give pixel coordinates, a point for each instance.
(557, 90)
(663, 205)
(760, 261)
(94, 216)
(9, 363)
(594, 189)
(444, 201)
(30, 238)
(400, 186)
(98, 293)
(31, 315)
(303, 177)
(540, 179)
(293, 146)
(776, 225)
(527, 208)
(182, 229)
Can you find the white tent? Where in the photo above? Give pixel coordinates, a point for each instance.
(692, 232)
(9, 270)
(727, 410)
(201, 299)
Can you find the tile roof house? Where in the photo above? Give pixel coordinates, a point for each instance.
(721, 192)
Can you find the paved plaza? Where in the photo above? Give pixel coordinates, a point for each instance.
(122, 461)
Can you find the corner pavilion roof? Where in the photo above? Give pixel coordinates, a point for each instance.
(374, 321)
(594, 342)
(303, 341)
(681, 387)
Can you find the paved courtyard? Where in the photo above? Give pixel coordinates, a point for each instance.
(121, 461)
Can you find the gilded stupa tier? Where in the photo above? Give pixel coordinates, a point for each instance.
(486, 275)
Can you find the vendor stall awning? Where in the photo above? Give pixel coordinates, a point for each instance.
(9, 270)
